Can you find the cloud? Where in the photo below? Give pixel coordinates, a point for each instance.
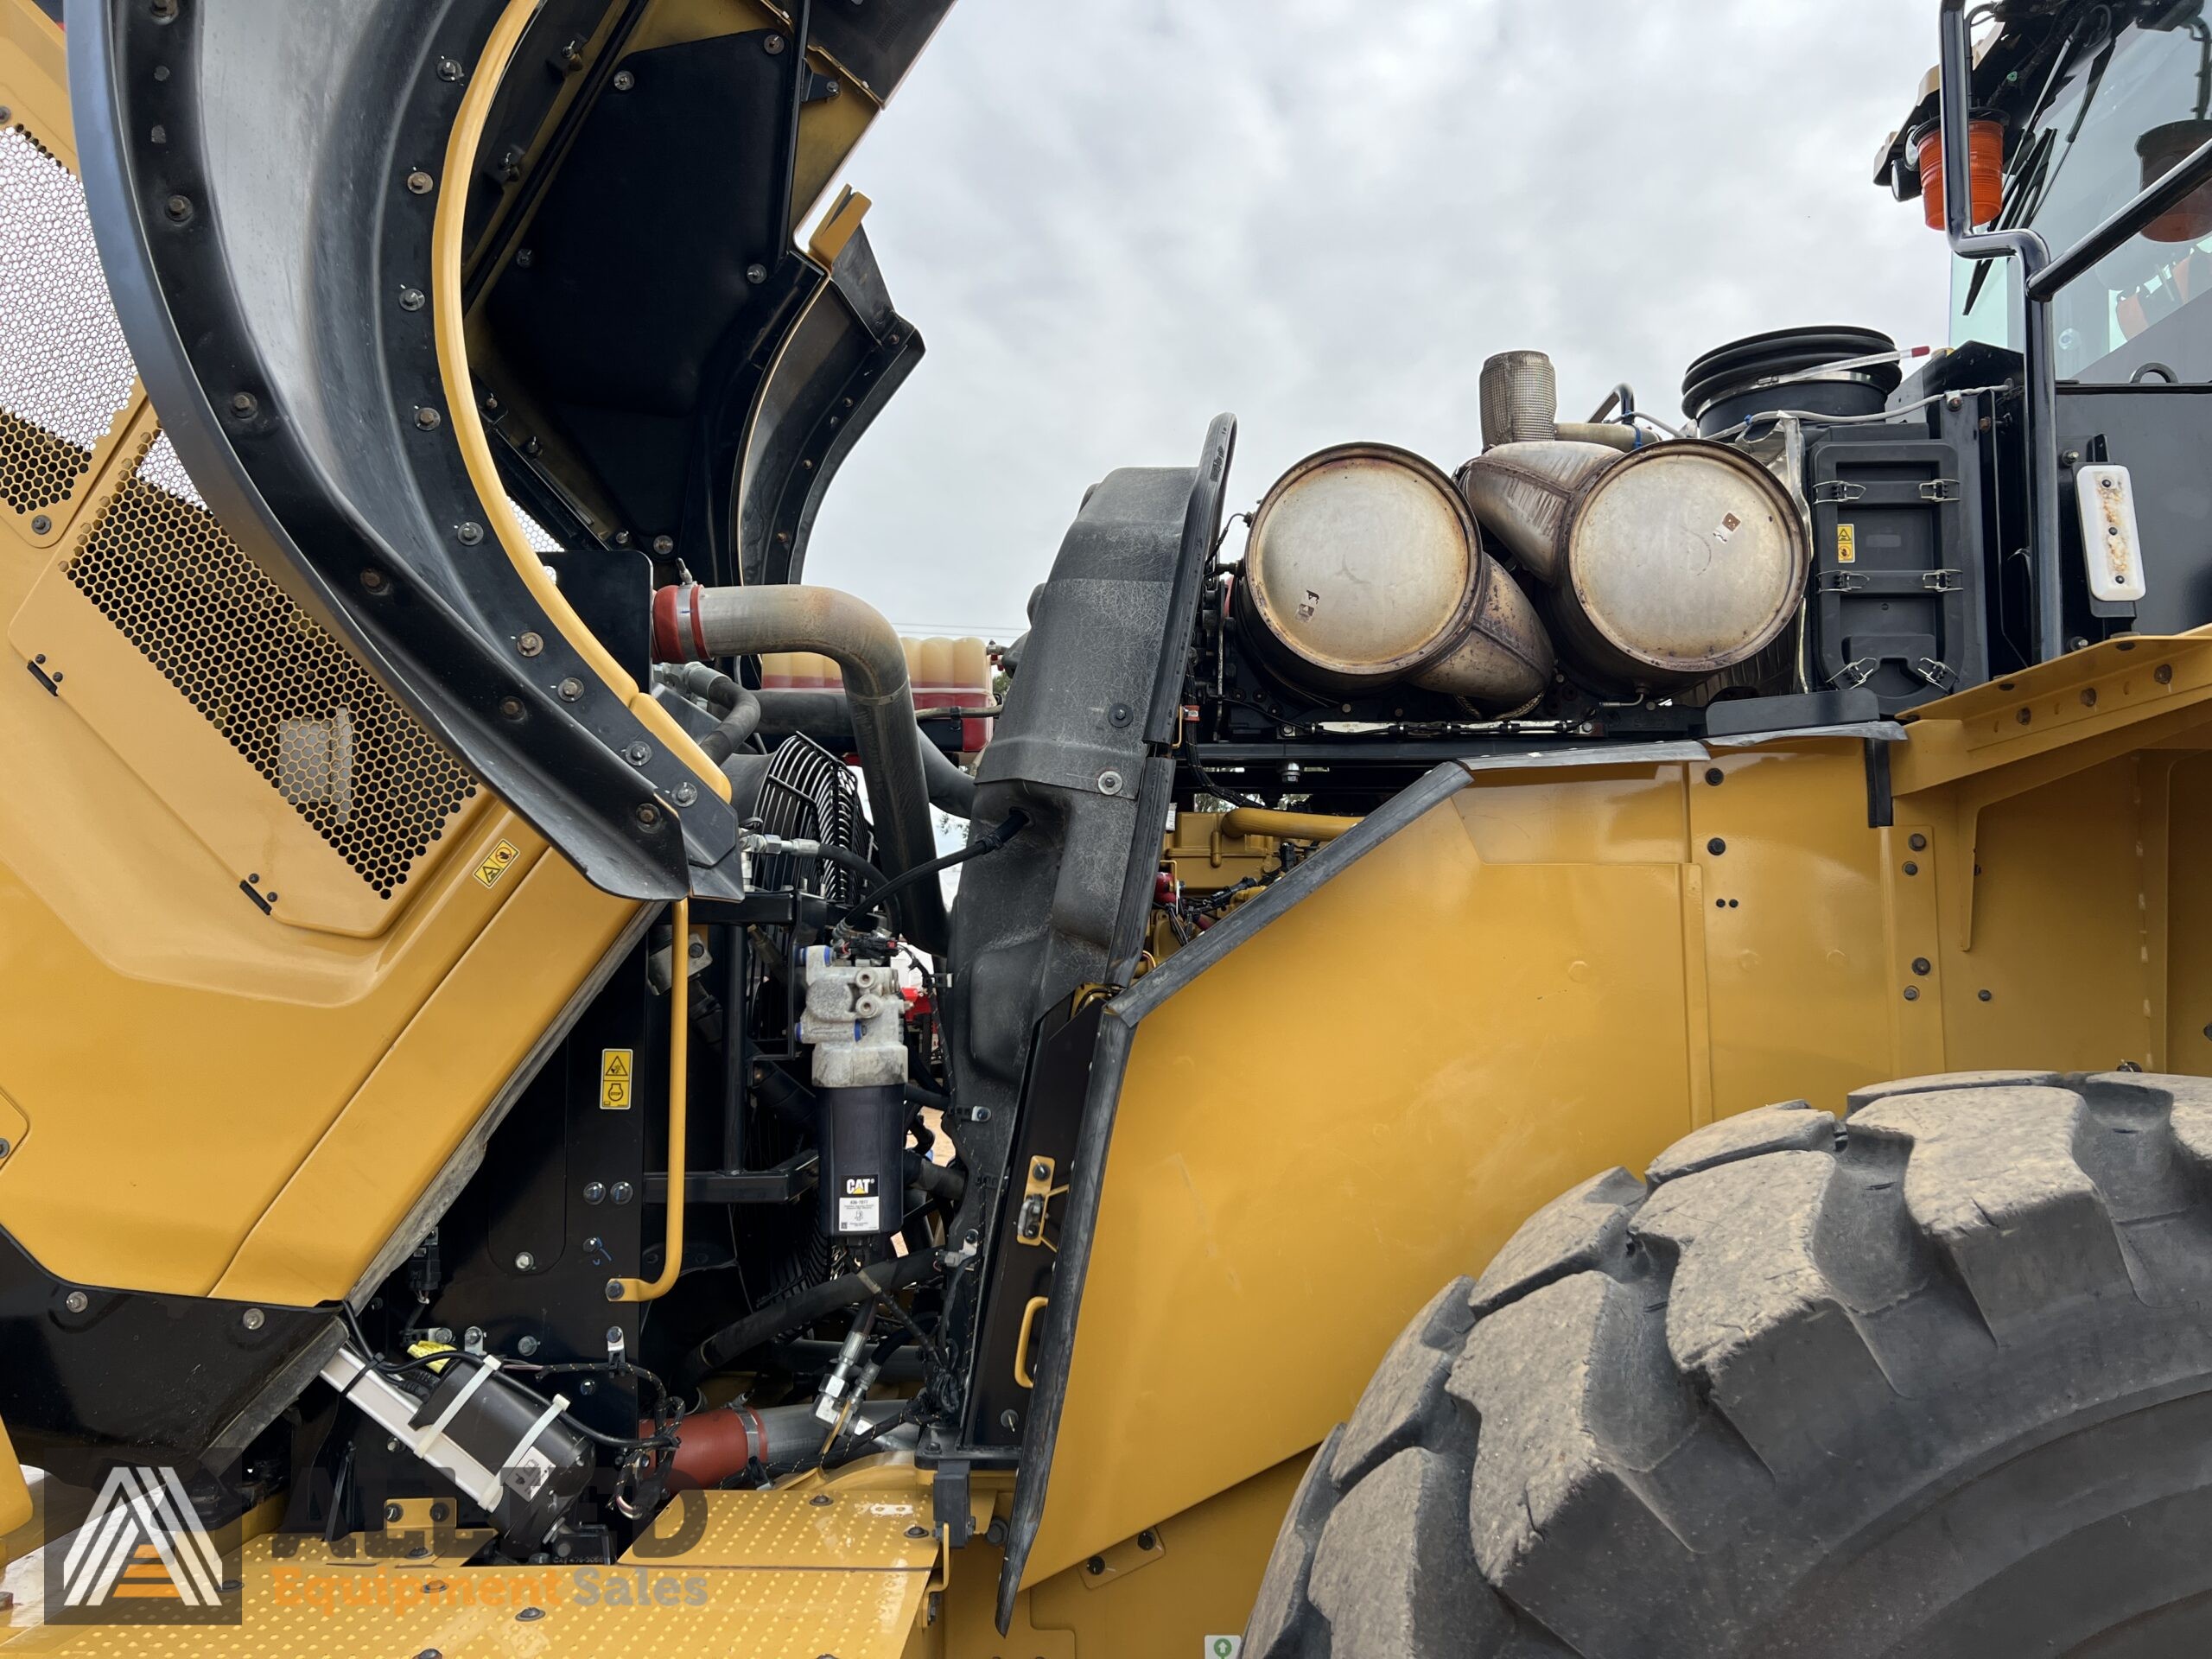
(1113, 220)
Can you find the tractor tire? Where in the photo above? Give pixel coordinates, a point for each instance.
(1934, 1380)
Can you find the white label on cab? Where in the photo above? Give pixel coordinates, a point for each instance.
(2110, 542)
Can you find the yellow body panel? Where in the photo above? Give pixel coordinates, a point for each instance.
(203, 1091)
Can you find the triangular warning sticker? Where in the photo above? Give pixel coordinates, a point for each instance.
(618, 1063)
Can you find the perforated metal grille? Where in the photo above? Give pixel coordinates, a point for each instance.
(541, 539)
(65, 371)
(291, 699)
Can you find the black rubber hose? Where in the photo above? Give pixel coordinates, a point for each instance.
(828, 719)
(737, 726)
(939, 1181)
(763, 1324)
(989, 841)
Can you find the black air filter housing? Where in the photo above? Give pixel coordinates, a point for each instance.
(1722, 388)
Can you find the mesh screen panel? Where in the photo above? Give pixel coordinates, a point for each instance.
(65, 371)
(374, 781)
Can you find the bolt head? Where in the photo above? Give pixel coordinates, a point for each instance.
(525, 258)
(6, 1147)
(917, 1532)
(243, 404)
(686, 794)
(253, 1319)
(530, 644)
(571, 688)
(375, 580)
(2164, 674)
(1040, 1169)
(41, 524)
(410, 299)
(820, 1500)
(622, 1192)
(1110, 783)
(392, 1511)
(624, 80)
(773, 46)
(420, 183)
(637, 753)
(595, 1191)
(756, 274)
(510, 708)
(1009, 1419)
(427, 418)
(76, 1301)
(664, 544)
(179, 209)
(469, 534)
(648, 814)
(524, 1262)
(614, 1290)
(448, 70)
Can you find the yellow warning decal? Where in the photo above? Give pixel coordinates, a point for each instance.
(496, 861)
(1846, 545)
(616, 1067)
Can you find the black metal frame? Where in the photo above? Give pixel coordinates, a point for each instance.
(2042, 275)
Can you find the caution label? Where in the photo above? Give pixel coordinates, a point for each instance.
(618, 1069)
(496, 863)
(1846, 545)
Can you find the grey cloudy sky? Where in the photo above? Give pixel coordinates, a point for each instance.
(1112, 219)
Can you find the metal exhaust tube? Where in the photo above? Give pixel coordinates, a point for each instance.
(1519, 393)
(693, 624)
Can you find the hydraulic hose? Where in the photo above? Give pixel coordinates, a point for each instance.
(988, 841)
(738, 710)
(882, 1278)
(693, 624)
(824, 716)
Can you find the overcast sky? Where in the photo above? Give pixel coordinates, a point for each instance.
(1112, 219)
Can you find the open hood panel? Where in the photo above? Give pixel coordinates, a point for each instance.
(472, 319)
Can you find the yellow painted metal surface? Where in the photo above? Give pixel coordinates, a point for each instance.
(1382, 1105)
(286, 1093)
(1163, 1590)
(790, 1574)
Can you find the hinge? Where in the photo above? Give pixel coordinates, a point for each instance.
(1940, 489)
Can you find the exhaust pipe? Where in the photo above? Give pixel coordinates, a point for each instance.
(695, 624)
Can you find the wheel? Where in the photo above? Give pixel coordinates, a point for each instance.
(1934, 1380)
